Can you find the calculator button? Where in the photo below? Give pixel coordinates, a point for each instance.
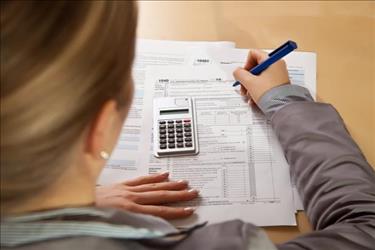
(162, 126)
(171, 140)
(187, 125)
(163, 146)
(188, 144)
(178, 125)
(170, 122)
(171, 135)
(178, 121)
(179, 130)
(187, 120)
(163, 141)
(170, 130)
(162, 131)
(187, 129)
(170, 126)
(188, 139)
(171, 145)
(161, 122)
(188, 134)
(163, 136)
(181, 140)
(179, 135)
(180, 145)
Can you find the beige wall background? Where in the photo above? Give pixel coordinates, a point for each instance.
(342, 33)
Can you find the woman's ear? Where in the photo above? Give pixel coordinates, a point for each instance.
(103, 132)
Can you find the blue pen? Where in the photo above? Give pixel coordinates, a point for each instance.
(274, 56)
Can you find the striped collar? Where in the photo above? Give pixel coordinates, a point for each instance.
(88, 221)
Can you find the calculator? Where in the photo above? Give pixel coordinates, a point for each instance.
(175, 131)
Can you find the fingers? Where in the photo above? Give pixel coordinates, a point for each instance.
(163, 211)
(254, 58)
(244, 77)
(147, 179)
(162, 196)
(160, 211)
(243, 91)
(171, 185)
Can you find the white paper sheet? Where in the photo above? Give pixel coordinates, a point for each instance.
(240, 166)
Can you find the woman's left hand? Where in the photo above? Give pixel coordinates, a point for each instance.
(148, 195)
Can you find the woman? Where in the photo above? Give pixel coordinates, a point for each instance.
(97, 40)
(66, 89)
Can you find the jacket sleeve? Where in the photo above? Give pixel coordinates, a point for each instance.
(336, 183)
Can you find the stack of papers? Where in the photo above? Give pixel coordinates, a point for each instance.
(241, 171)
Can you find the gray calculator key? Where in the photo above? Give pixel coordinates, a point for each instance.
(188, 134)
(162, 131)
(163, 146)
(187, 129)
(161, 122)
(171, 145)
(170, 130)
(188, 139)
(180, 145)
(170, 122)
(162, 126)
(163, 136)
(171, 135)
(171, 140)
(170, 126)
(180, 139)
(163, 141)
(179, 135)
(187, 125)
(179, 130)
(188, 144)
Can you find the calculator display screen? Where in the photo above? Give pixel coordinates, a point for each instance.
(174, 112)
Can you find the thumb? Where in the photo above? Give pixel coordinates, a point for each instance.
(244, 77)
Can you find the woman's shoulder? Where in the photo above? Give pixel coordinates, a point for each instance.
(227, 235)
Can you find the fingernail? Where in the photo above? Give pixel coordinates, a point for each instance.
(166, 173)
(189, 209)
(182, 181)
(193, 191)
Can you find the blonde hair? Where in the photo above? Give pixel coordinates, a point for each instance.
(60, 61)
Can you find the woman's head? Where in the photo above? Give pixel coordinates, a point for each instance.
(65, 70)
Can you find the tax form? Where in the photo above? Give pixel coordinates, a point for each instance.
(240, 171)
(124, 161)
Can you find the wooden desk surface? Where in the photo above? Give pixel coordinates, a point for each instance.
(342, 34)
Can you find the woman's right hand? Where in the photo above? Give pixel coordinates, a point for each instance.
(255, 86)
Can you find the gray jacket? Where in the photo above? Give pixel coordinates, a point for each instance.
(336, 184)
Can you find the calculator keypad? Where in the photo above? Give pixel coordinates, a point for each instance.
(175, 134)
